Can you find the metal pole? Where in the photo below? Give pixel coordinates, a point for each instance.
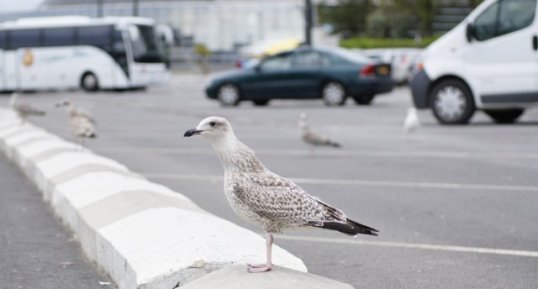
(308, 22)
(135, 7)
(99, 8)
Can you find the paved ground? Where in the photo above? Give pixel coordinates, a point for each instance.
(36, 250)
(456, 206)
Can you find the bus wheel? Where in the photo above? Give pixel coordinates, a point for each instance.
(89, 82)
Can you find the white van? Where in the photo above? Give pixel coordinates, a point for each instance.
(487, 62)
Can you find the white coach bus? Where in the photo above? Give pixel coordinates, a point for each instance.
(76, 51)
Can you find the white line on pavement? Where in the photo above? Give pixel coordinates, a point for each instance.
(341, 153)
(462, 249)
(369, 183)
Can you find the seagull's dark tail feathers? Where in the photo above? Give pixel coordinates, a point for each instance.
(38, 112)
(351, 228)
(334, 144)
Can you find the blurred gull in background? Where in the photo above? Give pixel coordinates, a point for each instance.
(23, 109)
(411, 121)
(81, 122)
(313, 139)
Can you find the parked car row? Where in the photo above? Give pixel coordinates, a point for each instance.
(402, 61)
(332, 75)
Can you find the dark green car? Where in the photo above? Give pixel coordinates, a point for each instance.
(305, 73)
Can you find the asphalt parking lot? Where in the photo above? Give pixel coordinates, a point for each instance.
(456, 206)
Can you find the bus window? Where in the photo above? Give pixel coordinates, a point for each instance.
(3, 39)
(24, 38)
(145, 44)
(59, 36)
(99, 36)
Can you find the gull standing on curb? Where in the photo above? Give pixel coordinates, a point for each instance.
(81, 122)
(411, 121)
(313, 139)
(23, 109)
(263, 197)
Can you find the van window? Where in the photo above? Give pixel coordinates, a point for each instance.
(486, 23)
(515, 15)
(504, 16)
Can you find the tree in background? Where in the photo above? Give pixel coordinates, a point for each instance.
(385, 18)
(475, 3)
(348, 17)
(391, 18)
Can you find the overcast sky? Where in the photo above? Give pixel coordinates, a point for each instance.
(17, 5)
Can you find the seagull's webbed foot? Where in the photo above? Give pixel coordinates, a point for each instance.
(259, 268)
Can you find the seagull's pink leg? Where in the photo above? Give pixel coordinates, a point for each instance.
(269, 264)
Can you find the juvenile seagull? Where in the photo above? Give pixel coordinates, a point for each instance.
(263, 197)
(23, 109)
(313, 139)
(411, 121)
(82, 124)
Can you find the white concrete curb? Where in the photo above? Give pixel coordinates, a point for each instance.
(141, 233)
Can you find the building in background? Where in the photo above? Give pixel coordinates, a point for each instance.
(221, 25)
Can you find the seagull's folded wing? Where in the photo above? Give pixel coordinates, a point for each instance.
(315, 139)
(282, 201)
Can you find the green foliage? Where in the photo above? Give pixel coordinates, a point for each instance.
(475, 3)
(392, 18)
(367, 42)
(348, 17)
(383, 18)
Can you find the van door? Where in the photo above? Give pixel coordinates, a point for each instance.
(501, 61)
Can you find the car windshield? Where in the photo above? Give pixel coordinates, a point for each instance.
(146, 47)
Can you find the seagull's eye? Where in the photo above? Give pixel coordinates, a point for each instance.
(212, 124)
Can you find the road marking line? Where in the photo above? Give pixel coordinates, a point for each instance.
(369, 183)
(341, 153)
(462, 249)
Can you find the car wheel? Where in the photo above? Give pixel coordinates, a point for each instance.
(364, 99)
(89, 82)
(228, 95)
(333, 94)
(504, 115)
(452, 102)
(261, 102)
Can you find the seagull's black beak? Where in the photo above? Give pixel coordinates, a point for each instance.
(192, 132)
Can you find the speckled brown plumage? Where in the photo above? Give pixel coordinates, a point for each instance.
(263, 197)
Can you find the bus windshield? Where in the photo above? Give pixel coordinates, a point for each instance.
(146, 48)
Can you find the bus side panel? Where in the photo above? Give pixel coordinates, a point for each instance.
(10, 67)
(63, 67)
(100, 63)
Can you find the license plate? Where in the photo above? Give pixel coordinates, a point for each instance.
(383, 70)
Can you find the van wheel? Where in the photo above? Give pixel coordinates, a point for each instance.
(229, 95)
(363, 99)
(333, 94)
(504, 115)
(452, 102)
(89, 82)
